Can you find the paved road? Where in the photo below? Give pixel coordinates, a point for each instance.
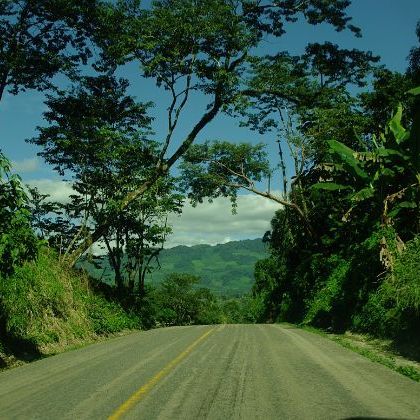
(204, 372)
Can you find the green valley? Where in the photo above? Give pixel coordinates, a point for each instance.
(226, 269)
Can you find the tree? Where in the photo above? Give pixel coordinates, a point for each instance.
(138, 235)
(50, 220)
(99, 136)
(379, 104)
(363, 189)
(413, 70)
(388, 176)
(189, 46)
(39, 39)
(180, 302)
(364, 208)
(292, 96)
(146, 228)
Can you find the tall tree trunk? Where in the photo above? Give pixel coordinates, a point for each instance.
(283, 167)
(113, 260)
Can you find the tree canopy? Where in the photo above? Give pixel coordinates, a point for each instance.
(40, 39)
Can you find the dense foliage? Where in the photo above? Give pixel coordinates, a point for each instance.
(350, 208)
(98, 136)
(364, 207)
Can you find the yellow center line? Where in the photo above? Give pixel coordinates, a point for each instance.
(144, 389)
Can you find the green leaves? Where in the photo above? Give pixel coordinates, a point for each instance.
(363, 194)
(384, 178)
(396, 128)
(347, 156)
(400, 206)
(18, 242)
(415, 91)
(220, 168)
(41, 39)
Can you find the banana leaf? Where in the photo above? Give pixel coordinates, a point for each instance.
(348, 156)
(400, 133)
(363, 194)
(329, 186)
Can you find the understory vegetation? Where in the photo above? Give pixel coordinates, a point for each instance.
(45, 307)
(363, 270)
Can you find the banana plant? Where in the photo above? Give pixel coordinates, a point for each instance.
(389, 173)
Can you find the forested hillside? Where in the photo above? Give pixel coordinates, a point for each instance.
(225, 269)
(340, 156)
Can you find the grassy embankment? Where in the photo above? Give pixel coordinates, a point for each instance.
(46, 308)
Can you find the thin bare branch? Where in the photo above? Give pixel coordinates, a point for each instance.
(173, 120)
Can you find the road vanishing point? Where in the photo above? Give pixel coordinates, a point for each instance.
(209, 372)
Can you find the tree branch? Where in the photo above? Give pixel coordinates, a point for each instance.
(280, 201)
(251, 187)
(172, 124)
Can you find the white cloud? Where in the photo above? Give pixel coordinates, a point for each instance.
(25, 165)
(208, 223)
(213, 223)
(58, 190)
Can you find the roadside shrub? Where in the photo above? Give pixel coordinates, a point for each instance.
(404, 282)
(145, 307)
(231, 310)
(394, 309)
(209, 311)
(18, 243)
(178, 301)
(320, 310)
(108, 317)
(253, 308)
(285, 307)
(374, 316)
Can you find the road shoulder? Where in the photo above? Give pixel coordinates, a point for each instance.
(375, 349)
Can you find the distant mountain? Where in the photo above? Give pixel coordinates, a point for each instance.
(226, 269)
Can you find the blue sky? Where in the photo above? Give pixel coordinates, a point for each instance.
(388, 28)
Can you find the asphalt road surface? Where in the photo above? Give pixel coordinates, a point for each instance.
(209, 372)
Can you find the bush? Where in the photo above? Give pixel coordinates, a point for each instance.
(108, 317)
(178, 301)
(403, 284)
(394, 309)
(18, 242)
(41, 303)
(320, 310)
